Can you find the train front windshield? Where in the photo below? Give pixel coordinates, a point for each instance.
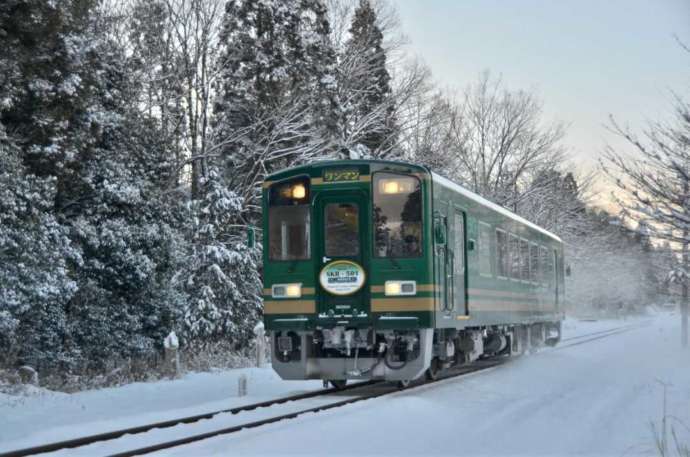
(397, 220)
(397, 215)
(288, 218)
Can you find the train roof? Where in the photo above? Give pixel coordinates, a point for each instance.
(436, 177)
(484, 202)
(342, 162)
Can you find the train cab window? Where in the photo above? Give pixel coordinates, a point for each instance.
(502, 254)
(341, 230)
(524, 260)
(288, 220)
(484, 249)
(514, 257)
(533, 262)
(397, 215)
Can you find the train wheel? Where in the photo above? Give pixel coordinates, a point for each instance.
(434, 369)
(338, 383)
(404, 383)
(551, 342)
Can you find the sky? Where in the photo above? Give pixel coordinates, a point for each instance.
(585, 59)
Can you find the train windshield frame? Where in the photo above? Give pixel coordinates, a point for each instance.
(397, 215)
(289, 220)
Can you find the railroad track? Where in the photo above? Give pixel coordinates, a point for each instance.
(600, 332)
(107, 436)
(381, 389)
(589, 337)
(387, 390)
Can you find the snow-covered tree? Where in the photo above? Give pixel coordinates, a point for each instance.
(554, 200)
(655, 187)
(35, 260)
(365, 86)
(276, 58)
(220, 275)
(156, 70)
(608, 252)
(499, 141)
(70, 110)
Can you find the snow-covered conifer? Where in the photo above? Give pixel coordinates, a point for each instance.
(365, 85)
(71, 111)
(277, 58)
(220, 275)
(36, 256)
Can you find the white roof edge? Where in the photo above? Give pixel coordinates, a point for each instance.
(483, 201)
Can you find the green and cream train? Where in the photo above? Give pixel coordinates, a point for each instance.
(386, 270)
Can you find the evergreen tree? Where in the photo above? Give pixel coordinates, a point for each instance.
(155, 70)
(366, 86)
(70, 108)
(276, 103)
(35, 254)
(221, 274)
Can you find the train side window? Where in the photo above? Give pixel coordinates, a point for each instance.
(459, 241)
(484, 249)
(514, 257)
(524, 260)
(502, 257)
(533, 262)
(543, 265)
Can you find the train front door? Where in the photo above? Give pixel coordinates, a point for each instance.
(341, 225)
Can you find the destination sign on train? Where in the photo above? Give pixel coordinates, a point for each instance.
(342, 174)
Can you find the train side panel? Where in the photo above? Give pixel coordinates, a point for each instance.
(484, 282)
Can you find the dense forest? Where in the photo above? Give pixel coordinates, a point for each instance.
(134, 137)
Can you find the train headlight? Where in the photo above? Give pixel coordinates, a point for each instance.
(398, 288)
(299, 191)
(396, 186)
(286, 290)
(391, 187)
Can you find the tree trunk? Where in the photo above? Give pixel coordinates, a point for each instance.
(684, 299)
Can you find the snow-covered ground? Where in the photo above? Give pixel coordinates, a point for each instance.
(45, 416)
(598, 398)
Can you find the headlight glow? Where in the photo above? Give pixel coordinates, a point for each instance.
(299, 192)
(391, 187)
(286, 290)
(396, 186)
(399, 288)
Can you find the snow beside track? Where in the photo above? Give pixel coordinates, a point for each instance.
(596, 398)
(47, 416)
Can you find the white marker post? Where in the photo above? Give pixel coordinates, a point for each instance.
(172, 357)
(242, 385)
(260, 342)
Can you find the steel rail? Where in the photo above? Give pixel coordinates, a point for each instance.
(107, 436)
(236, 428)
(598, 337)
(615, 329)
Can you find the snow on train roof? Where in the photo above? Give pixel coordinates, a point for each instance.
(484, 202)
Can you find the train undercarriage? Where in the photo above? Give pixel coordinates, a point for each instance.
(340, 354)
